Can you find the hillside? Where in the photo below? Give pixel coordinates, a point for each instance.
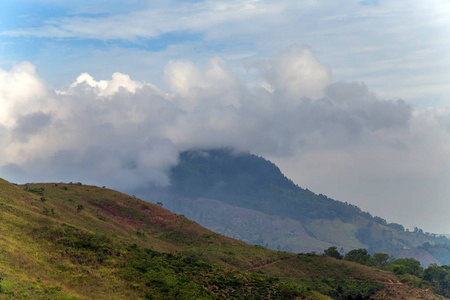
(247, 197)
(71, 241)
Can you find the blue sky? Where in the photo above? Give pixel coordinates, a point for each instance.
(399, 48)
(353, 93)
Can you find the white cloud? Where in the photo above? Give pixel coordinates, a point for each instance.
(333, 137)
(150, 22)
(105, 87)
(209, 107)
(399, 175)
(214, 85)
(297, 73)
(19, 89)
(371, 43)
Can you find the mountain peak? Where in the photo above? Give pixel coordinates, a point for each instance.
(250, 186)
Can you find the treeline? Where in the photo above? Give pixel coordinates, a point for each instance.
(441, 251)
(437, 276)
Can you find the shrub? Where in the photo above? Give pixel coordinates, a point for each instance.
(360, 256)
(333, 252)
(411, 266)
(398, 269)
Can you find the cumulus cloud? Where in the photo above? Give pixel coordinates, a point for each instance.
(30, 124)
(295, 72)
(214, 85)
(127, 134)
(401, 174)
(97, 131)
(20, 91)
(106, 87)
(105, 130)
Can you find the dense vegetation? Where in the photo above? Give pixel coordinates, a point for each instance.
(437, 277)
(157, 275)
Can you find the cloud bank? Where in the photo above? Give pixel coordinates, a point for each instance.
(127, 134)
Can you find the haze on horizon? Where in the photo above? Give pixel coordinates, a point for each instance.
(348, 98)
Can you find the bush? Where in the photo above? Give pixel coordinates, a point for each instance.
(360, 256)
(332, 252)
(411, 266)
(398, 269)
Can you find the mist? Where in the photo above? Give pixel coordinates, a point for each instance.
(332, 137)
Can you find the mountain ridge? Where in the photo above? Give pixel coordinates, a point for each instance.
(246, 181)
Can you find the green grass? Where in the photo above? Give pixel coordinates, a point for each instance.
(335, 231)
(119, 247)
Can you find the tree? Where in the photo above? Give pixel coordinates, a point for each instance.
(332, 252)
(439, 277)
(381, 260)
(360, 256)
(396, 226)
(434, 274)
(398, 269)
(412, 266)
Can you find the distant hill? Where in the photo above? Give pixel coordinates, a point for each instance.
(252, 182)
(72, 241)
(247, 197)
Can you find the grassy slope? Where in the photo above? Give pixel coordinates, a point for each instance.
(76, 242)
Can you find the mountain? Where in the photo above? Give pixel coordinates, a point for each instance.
(248, 198)
(72, 241)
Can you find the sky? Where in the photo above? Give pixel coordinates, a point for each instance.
(349, 98)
